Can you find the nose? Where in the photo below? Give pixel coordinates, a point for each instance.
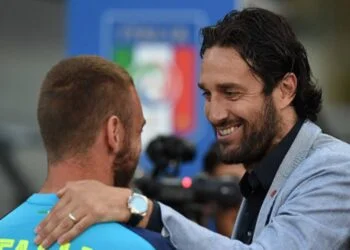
(216, 112)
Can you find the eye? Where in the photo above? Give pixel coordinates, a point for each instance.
(206, 94)
(232, 94)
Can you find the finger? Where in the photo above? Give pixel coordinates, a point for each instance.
(76, 230)
(61, 192)
(54, 219)
(65, 225)
(52, 216)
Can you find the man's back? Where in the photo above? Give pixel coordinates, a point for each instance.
(17, 231)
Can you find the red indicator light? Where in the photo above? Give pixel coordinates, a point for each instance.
(186, 182)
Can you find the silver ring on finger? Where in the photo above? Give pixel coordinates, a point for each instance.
(72, 217)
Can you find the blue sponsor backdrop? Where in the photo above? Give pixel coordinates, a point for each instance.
(158, 42)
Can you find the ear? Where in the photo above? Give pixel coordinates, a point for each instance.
(115, 133)
(285, 91)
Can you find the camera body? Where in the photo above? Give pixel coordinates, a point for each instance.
(187, 195)
(202, 189)
(166, 151)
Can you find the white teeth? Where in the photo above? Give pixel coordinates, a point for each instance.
(227, 131)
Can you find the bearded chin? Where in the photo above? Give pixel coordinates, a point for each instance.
(251, 151)
(255, 142)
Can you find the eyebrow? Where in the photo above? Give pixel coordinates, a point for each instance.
(224, 85)
(144, 123)
(230, 85)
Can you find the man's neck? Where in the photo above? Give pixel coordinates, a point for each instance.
(62, 173)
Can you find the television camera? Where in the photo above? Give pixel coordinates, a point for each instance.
(187, 195)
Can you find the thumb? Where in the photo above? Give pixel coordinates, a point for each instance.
(61, 192)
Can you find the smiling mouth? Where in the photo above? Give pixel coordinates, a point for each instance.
(229, 130)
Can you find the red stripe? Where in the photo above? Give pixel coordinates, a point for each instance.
(184, 112)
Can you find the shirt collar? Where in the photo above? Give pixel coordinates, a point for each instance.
(264, 173)
(44, 199)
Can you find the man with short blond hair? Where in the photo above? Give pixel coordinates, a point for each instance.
(91, 120)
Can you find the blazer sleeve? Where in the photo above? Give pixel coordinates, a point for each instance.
(315, 215)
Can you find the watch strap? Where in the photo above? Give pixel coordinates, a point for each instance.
(155, 222)
(134, 220)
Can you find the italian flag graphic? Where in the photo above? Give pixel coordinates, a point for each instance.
(164, 75)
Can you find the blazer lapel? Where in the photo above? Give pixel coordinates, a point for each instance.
(296, 154)
(238, 219)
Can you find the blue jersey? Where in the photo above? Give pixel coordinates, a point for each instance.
(17, 231)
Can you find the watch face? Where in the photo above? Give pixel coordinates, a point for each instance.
(138, 204)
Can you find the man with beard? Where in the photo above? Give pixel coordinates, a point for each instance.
(91, 120)
(262, 102)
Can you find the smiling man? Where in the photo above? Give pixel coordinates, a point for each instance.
(244, 119)
(262, 103)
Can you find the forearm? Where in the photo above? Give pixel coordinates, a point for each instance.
(287, 231)
(185, 234)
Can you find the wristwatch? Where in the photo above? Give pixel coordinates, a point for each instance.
(138, 206)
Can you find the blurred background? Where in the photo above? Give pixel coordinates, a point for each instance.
(158, 43)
